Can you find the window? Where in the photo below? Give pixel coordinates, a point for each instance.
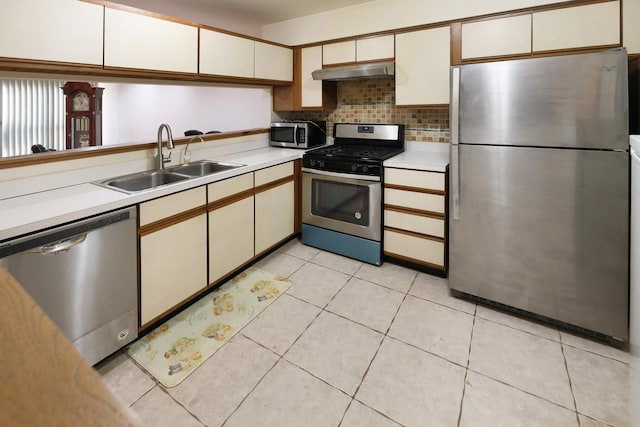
(32, 114)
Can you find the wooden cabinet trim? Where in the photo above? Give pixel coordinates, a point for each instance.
(268, 186)
(171, 220)
(414, 261)
(414, 189)
(414, 234)
(229, 200)
(413, 211)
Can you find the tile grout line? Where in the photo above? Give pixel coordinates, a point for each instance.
(566, 367)
(281, 357)
(384, 335)
(466, 369)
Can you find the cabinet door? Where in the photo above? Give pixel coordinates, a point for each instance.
(173, 253)
(339, 53)
(63, 30)
(630, 27)
(274, 206)
(496, 37)
(422, 67)
(311, 89)
(173, 266)
(231, 225)
(374, 48)
(132, 40)
(574, 27)
(225, 55)
(273, 62)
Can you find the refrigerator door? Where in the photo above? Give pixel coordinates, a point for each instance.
(546, 231)
(563, 101)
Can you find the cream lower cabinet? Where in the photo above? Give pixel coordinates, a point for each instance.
(231, 229)
(173, 251)
(274, 205)
(415, 217)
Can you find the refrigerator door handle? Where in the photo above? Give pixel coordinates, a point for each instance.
(455, 181)
(455, 104)
(455, 164)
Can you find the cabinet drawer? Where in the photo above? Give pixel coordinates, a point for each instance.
(416, 223)
(413, 178)
(167, 206)
(274, 173)
(414, 200)
(229, 187)
(413, 247)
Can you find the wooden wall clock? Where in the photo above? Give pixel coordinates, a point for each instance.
(83, 114)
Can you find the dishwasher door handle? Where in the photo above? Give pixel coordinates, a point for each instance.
(61, 246)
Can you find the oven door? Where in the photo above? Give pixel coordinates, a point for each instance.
(350, 204)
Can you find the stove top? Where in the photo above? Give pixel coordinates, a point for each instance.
(359, 152)
(358, 149)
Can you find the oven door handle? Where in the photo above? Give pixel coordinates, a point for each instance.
(343, 175)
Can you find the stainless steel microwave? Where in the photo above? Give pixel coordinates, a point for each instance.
(298, 134)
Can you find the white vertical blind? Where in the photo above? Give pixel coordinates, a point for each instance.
(32, 113)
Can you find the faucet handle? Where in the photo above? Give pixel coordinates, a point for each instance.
(167, 158)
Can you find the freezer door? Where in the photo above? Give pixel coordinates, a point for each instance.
(562, 101)
(546, 231)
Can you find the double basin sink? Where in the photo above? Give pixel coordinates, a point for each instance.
(148, 180)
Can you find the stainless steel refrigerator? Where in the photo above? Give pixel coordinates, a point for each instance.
(539, 188)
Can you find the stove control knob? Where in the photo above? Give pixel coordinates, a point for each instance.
(312, 163)
(365, 168)
(321, 163)
(354, 167)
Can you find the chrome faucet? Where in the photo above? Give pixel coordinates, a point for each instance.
(161, 158)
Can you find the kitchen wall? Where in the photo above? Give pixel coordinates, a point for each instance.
(132, 112)
(373, 101)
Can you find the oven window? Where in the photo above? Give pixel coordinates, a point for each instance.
(340, 201)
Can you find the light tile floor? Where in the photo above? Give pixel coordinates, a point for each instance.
(352, 344)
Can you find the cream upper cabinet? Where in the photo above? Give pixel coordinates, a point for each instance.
(62, 30)
(339, 53)
(274, 205)
(273, 62)
(311, 58)
(173, 256)
(495, 37)
(422, 67)
(226, 54)
(374, 48)
(133, 40)
(630, 26)
(595, 24)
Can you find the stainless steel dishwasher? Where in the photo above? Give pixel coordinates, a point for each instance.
(84, 276)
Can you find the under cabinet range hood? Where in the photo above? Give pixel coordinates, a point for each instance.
(353, 72)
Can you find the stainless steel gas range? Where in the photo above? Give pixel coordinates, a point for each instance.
(342, 190)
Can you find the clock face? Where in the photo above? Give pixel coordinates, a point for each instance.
(81, 102)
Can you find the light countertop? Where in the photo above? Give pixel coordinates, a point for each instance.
(36, 211)
(426, 156)
(39, 210)
(634, 141)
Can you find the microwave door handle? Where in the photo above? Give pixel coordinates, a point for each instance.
(295, 134)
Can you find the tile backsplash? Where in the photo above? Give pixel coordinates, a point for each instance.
(373, 101)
